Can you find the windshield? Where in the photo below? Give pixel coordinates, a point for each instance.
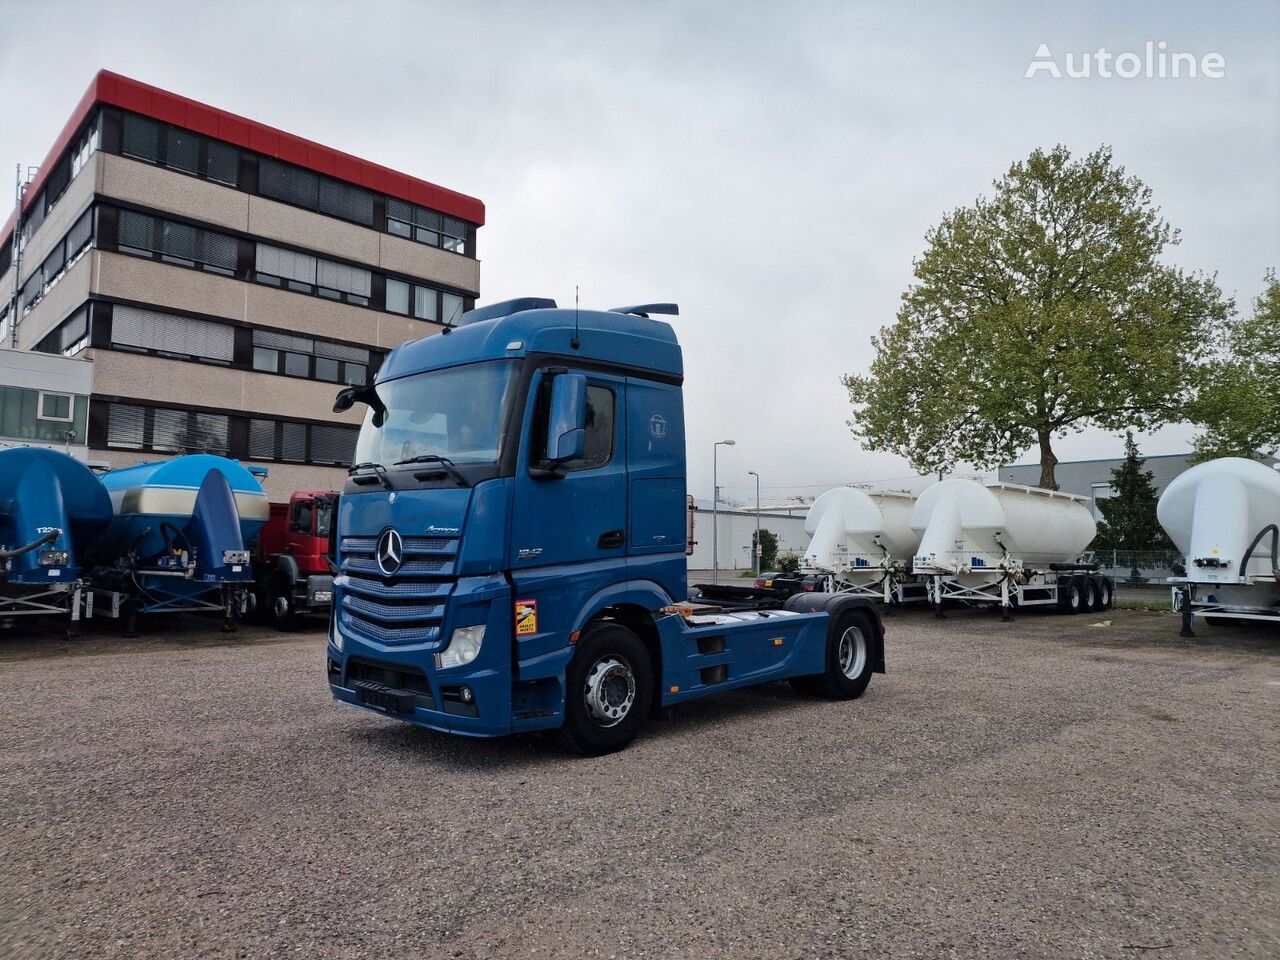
(458, 413)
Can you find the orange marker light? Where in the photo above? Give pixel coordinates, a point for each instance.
(675, 689)
(777, 641)
(573, 637)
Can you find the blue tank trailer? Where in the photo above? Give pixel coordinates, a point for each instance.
(178, 539)
(51, 508)
(155, 538)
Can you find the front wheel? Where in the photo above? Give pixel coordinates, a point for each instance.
(608, 691)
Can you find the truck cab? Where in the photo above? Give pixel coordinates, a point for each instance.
(511, 542)
(292, 564)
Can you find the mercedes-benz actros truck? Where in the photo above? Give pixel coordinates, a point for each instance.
(510, 542)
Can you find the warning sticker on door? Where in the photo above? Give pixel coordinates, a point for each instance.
(526, 617)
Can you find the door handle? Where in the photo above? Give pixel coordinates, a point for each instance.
(610, 540)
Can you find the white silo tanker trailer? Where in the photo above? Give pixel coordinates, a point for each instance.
(861, 541)
(1008, 545)
(1224, 516)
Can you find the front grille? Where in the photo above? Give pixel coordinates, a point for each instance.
(405, 608)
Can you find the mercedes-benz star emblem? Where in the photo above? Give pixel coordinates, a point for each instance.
(390, 552)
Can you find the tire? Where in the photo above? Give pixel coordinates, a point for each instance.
(1089, 595)
(1105, 592)
(280, 607)
(1071, 592)
(608, 691)
(849, 661)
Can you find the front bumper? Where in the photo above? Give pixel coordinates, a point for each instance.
(402, 681)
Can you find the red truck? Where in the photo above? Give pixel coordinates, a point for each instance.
(291, 563)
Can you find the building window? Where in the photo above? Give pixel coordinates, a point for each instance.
(30, 414)
(166, 145)
(293, 442)
(143, 235)
(303, 273)
(135, 427)
(303, 188)
(69, 337)
(166, 334)
(417, 223)
(56, 406)
(64, 255)
(297, 356)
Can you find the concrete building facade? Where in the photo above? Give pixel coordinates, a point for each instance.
(225, 279)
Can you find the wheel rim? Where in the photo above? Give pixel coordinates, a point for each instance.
(1104, 596)
(610, 691)
(1075, 597)
(853, 652)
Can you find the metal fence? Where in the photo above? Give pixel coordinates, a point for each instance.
(1150, 566)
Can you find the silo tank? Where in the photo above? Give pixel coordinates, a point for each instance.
(854, 529)
(966, 526)
(1215, 510)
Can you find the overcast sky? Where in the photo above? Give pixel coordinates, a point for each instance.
(771, 167)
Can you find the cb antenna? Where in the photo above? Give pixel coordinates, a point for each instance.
(575, 342)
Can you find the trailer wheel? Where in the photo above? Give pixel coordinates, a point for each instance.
(1071, 592)
(849, 661)
(280, 609)
(1104, 592)
(1089, 595)
(609, 687)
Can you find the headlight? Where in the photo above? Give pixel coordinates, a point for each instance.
(464, 646)
(335, 635)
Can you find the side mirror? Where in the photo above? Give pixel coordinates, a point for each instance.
(567, 421)
(345, 400)
(348, 397)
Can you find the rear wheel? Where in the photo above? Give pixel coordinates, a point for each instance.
(849, 664)
(1106, 595)
(609, 690)
(280, 606)
(1071, 591)
(1089, 595)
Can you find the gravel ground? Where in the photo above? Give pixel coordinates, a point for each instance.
(1048, 788)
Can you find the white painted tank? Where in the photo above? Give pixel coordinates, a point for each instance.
(1213, 512)
(856, 532)
(963, 525)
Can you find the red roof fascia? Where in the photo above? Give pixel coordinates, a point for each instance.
(111, 88)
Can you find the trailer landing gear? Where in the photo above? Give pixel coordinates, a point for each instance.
(1188, 618)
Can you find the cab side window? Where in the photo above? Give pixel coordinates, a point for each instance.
(601, 415)
(301, 517)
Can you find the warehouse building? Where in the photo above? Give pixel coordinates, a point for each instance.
(225, 279)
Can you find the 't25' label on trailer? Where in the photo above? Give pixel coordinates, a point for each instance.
(526, 617)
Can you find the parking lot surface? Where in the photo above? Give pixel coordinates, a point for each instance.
(1055, 787)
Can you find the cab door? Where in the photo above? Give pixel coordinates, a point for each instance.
(579, 516)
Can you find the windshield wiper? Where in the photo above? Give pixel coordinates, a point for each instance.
(445, 462)
(379, 474)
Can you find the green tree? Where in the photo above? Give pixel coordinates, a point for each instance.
(789, 563)
(769, 555)
(1037, 312)
(1129, 514)
(1239, 397)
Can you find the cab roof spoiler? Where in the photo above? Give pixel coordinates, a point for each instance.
(644, 309)
(506, 308)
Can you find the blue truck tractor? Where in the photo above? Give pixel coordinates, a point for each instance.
(511, 540)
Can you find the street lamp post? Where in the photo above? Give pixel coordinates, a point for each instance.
(715, 509)
(752, 473)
